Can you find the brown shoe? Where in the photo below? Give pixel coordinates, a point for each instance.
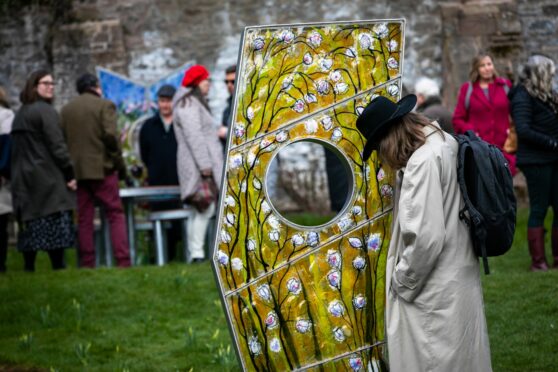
(535, 237)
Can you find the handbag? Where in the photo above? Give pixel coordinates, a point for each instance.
(510, 146)
(204, 195)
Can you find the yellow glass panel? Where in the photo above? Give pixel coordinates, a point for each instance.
(307, 296)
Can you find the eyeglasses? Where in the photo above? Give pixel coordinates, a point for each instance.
(227, 81)
(47, 83)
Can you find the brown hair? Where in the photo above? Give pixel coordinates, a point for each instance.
(475, 64)
(29, 93)
(4, 98)
(404, 137)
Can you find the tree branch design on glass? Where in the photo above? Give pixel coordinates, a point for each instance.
(307, 297)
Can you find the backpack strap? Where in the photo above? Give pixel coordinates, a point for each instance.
(468, 95)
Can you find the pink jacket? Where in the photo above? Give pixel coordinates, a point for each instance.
(489, 117)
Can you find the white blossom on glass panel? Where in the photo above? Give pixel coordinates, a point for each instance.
(230, 219)
(392, 63)
(236, 264)
(236, 161)
(350, 52)
(334, 278)
(312, 238)
(315, 39)
(356, 364)
(322, 86)
(310, 98)
(374, 241)
(287, 36)
(336, 308)
(336, 135)
(381, 30)
(393, 89)
(298, 105)
(282, 136)
(258, 43)
(297, 239)
(311, 126)
(271, 320)
(275, 345)
(326, 63)
(229, 201)
(222, 258)
(264, 292)
(344, 223)
(392, 45)
(225, 236)
(359, 263)
(251, 245)
(355, 242)
(307, 59)
(365, 41)
(341, 88)
(380, 175)
(386, 190)
(326, 122)
(265, 207)
(357, 210)
(254, 345)
(303, 325)
(257, 184)
(338, 334)
(239, 130)
(359, 302)
(250, 113)
(334, 258)
(274, 235)
(294, 286)
(335, 76)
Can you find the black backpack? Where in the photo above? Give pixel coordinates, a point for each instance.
(486, 183)
(5, 155)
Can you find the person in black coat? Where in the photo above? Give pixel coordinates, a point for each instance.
(158, 149)
(42, 175)
(534, 110)
(230, 79)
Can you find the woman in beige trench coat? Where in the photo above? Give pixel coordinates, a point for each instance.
(434, 313)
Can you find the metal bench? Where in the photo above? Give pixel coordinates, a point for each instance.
(157, 218)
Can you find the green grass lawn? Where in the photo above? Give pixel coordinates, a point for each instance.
(165, 319)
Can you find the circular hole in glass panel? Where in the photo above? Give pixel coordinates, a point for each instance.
(309, 182)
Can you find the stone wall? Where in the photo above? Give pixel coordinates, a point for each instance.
(146, 40)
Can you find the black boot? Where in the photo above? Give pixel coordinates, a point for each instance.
(29, 261)
(57, 259)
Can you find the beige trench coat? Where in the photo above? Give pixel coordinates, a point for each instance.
(198, 142)
(435, 314)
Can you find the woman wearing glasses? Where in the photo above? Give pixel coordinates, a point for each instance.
(43, 181)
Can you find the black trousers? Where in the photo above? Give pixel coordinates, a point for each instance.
(3, 241)
(542, 186)
(56, 259)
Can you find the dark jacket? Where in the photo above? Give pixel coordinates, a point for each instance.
(158, 152)
(89, 123)
(537, 128)
(41, 165)
(226, 119)
(432, 108)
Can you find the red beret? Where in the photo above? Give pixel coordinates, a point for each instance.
(194, 75)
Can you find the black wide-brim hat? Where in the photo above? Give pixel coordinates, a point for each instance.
(377, 117)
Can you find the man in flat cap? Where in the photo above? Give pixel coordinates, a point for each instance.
(158, 149)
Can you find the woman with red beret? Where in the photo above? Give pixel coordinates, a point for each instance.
(199, 157)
